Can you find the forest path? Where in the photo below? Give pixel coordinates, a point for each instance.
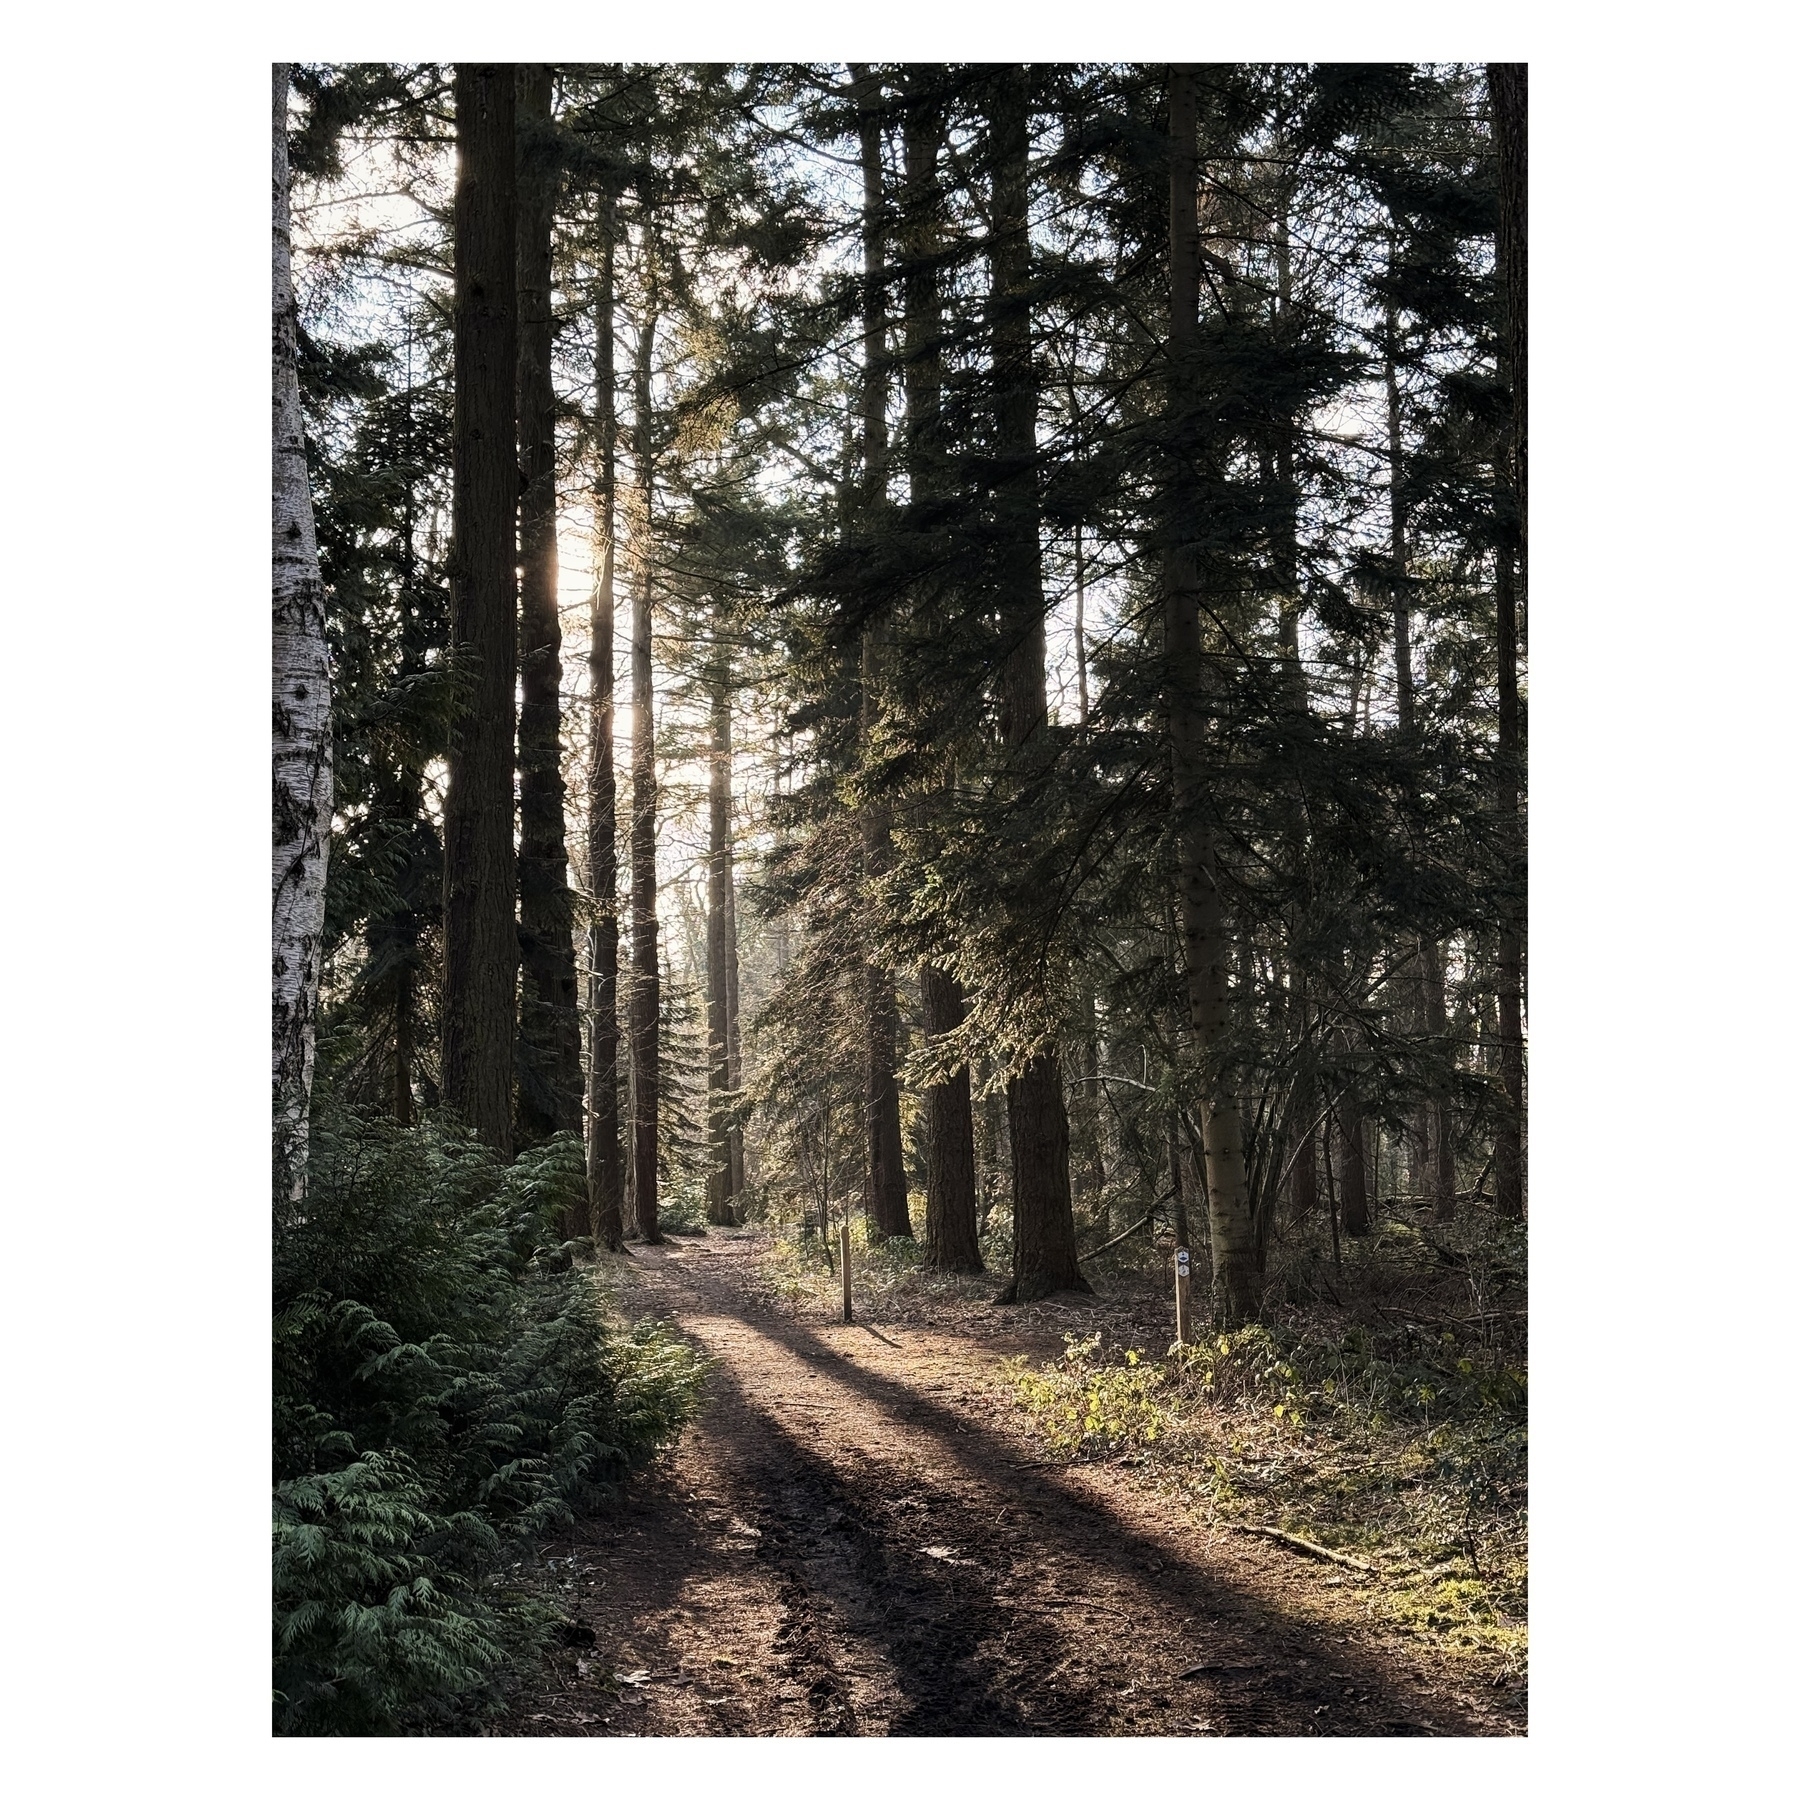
(858, 1538)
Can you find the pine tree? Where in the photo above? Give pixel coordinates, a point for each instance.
(481, 949)
(549, 1040)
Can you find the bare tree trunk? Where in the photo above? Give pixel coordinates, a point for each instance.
(646, 974)
(1355, 1168)
(481, 944)
(1509, 1149)
(718, 878)
(549, 1058)
(952, 1206)
(1303, 1174)
(1044, 1257)
(1440, 1150)
(300, 717)
(952, 1214)
(605, 1153)
(885, 1201)
(734, 1059)
(1507, 99)
(1237, 1282)
(1432, 1139)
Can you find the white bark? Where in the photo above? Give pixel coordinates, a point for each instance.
(301, 716)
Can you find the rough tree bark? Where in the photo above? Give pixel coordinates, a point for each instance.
(719, 1193)
(1237, 1282)
(1044, 1257)
(300, 716)
(1433, 1137)
(1507, 98)
(1353, 1168)
(646, 974)
(885, 1198)
(481, 944)
(952, 1217)
(605, 1154)
(549, 1038)
(1303, 1167)
(734, 1057)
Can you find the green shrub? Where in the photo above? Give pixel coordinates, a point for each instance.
(443, 1392)
(1086, 1407)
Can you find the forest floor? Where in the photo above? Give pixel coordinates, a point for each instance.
(861, 1535)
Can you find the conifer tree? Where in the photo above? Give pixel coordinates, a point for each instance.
(549, 1060)
(646, 972)
(1192, 677)
(606, 1164)
(481, 947)
(1044, 1257)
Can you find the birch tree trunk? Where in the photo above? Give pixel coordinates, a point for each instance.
(1237, 1282)
(481, 942)
(1044, 1258)
(605, 1154)
(549, 1096)
(646, 975)
(301, 716)
(885, 1201)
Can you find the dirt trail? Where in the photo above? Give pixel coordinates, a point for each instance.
(856, 1538)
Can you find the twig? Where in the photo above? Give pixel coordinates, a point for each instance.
(1155, 1206)
(1307, 1547)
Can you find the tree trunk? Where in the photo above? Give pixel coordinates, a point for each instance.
(605, 1153)
(301, 717)
(646, 975)
(734, 1060)
(1354, 1172)
(1432, 1139)
(952, 1213)
(1507, 99)
(952, 1205)
(1237, 1282)
(885, 1201)
(1441, 1147)
(481, 945)
(718, 876)
(1509, 1150)
(1037, 1114)
(1303, 1174)
(549, 1049)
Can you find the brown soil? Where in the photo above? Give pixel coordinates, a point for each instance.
(859, 1538)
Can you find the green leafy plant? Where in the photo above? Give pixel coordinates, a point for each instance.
(444, 1391)
(1087, 1407)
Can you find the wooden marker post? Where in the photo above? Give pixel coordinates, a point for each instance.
(844, 1264)
(1182, 1262)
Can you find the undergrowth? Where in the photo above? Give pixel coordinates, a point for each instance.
(1400, 1440)
(446, 1388)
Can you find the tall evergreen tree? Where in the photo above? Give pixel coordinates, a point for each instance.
(1044, 1257)
(481, 946)
(549, 1040)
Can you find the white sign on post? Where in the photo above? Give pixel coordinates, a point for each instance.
(1181, 1262)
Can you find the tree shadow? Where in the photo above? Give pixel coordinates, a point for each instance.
(975, 1641)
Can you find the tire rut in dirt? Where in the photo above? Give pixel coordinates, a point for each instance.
(966, 1663)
